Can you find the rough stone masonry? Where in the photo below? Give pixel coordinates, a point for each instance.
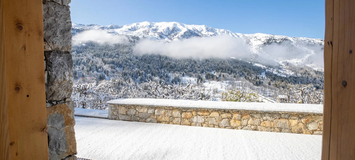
(59, 79)
(288, 122)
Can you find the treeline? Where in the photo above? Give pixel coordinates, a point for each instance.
(103, 62)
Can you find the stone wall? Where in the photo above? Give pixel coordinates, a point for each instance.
(59, 79)
(289, 122)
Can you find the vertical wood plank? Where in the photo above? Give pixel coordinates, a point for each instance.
(328, 53)
(25, 79)
(346, 129)
(334, 116)
(4, 130)
(341, 104)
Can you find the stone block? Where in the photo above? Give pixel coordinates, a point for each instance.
(60, 75)
(151, 110)
(317, 118)
(235, 123)
(293, 122)
(256, 115)
(282, 123)
(267, 124)
(176, 113)
(268, 117)
(186, 122)
(186, 115)
(203, 113)
(142, 109)
(245, 122)
(134, 118)
(245, 116)
(226, 115)
(57, 26)
(247, 128)
(267, 129)
(198, 119)
(160, 111)
(285, 115)
(294, 117)
(224, 123)
(286, 130)
(151, 120)
(131, 112)
(60, 129)
(124, 117)
(144, 115)
(237, 116)
(176, 120)
(122, 110)
(306, 119)
(212, 121)
(251, 121)
(196, 124)
(312, 126)
(214, 114)
(299, 128)
(162, 119)
(72, 157)
(276, 116)
(61, 2)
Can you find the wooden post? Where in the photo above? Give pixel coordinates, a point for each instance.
(4, 128)
(328, 53)
(25, 83)
(339, 108)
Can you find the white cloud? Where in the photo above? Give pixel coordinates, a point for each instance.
(211, 47)
(98, 36)
(303, 54)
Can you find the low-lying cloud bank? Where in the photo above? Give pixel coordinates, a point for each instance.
(98, 36)
(223, 46)
(209, 47)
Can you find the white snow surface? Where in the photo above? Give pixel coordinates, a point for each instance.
(91, 113)
(267, 107)
(102, 139)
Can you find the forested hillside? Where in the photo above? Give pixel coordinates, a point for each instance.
(116, 64)
(105, 70)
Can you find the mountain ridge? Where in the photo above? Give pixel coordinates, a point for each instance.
(262, 47)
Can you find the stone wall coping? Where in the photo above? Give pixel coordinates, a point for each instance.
(252, 106)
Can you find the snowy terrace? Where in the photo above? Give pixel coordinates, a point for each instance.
(100, 138)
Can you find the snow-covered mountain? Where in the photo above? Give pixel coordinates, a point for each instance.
(263, 48)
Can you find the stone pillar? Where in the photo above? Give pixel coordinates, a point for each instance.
(59, 79)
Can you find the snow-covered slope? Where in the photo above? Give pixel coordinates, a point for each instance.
(264, 48)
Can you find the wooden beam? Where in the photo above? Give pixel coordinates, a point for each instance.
(4, 128)
(25, 79)
(339, 108)
(328, 53)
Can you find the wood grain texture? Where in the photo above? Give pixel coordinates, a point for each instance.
(339, 108)
(328, 53)
(25, 79)
(4, 130)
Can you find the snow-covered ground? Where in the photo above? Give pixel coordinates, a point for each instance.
(102, 139)
(253, 106)
(91, 113)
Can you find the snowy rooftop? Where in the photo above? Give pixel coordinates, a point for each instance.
(102, 139)
(267, 107)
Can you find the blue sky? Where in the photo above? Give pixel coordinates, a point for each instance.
(301, 18)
